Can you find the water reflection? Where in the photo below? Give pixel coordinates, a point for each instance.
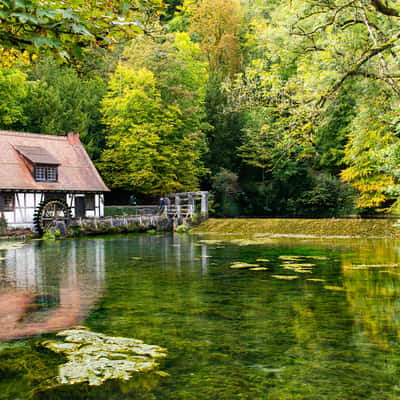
(246, 334)
(372, 282)
(48, 286)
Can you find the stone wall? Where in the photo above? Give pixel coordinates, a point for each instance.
(91, 226)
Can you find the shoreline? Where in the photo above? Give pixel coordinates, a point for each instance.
(340, 228)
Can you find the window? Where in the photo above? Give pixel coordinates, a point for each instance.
(89, 202)
(6, 201)
(45, 173)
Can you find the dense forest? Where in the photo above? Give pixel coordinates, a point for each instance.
(279, 107)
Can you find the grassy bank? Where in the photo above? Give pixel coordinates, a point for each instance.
(302, 227)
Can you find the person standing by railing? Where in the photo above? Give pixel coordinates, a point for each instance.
(161, 204)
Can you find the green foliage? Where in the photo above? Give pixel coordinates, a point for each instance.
(59, 101)
(370, 170)
(154, 120)
(13, 94)
(226, 192)
(38, 25)
(286, 96)
(182, 229)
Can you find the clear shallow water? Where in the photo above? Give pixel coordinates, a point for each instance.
(230, 334)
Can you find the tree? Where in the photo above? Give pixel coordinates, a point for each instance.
(147, 148)
(370, 170)
(58, 101)
(66, 28)
(12, 93)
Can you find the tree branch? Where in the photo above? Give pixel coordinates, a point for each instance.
(384, 9)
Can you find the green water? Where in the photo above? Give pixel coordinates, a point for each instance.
(230, 333)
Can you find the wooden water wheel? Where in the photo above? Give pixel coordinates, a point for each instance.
(50, 213)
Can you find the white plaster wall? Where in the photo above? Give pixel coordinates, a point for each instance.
(100, 198)
(26, 204)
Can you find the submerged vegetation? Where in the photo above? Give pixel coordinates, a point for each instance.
(95, 358)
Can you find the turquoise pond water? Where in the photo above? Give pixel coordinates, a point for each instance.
(231, 333)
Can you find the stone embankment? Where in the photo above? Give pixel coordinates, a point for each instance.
(142, 223)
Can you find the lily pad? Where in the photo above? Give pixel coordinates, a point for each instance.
(240, 265)
(315, 280)
(262, 260)
(285, 277)
(95, 358)
(137, 258)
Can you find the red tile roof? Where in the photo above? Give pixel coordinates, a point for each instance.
(76, 171)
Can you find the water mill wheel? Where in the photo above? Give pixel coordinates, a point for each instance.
(50, 213)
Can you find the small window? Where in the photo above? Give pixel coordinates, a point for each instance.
(45, 173)
(6, 201)
(89, 202)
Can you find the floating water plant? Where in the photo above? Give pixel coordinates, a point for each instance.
(9, 245)
(259, 269)
(298, 258)
(137, 258)
(302, 268)
(262, 260)
(315, 280)
(290, 258)
(94, 358)
(211, 241)
(335, 288)
(285, 277)
(240, 265)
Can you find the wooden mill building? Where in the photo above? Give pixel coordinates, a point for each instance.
(36, 169)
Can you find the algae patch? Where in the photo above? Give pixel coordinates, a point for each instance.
(242, 265)
(285, 277)
(335, 288)
(94, 358)
(10, 245)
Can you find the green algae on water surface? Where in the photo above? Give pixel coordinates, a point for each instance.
(335, 288)
(243, 265)
(285, 277)
(10, 245)
(94, 358)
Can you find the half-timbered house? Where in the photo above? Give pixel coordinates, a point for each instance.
(37, 169)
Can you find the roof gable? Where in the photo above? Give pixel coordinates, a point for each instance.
(76, 171)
